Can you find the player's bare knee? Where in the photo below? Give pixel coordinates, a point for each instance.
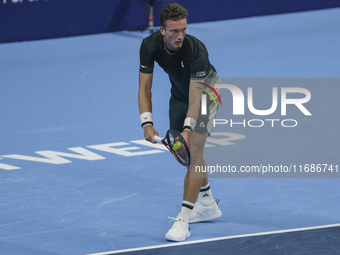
(196, 174)
(196, 149)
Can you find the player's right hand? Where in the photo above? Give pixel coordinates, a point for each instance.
(149, 133)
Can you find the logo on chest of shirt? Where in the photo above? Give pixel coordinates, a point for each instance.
(182, 64)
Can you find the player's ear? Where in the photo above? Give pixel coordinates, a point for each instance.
(162, 30)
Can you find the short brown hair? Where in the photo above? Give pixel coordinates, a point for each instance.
(172, 12)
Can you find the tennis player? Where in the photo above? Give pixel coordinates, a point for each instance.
(185, 59)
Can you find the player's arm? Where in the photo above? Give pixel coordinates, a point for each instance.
(194, 107)
(195, 98)
(144, 92)
(145, 105)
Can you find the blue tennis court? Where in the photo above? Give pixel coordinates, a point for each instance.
(77, 177)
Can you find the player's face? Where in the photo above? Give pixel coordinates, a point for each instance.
(174, 33)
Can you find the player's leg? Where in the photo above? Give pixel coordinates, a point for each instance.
(206, 208)
(195, 183)
(192, 186)
(180, 228)
(195, 178)
(177, 113)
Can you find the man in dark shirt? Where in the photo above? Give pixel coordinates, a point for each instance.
(185, 59)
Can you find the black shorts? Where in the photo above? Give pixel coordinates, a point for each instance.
(178, 111)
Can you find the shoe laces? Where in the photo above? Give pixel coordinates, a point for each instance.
(178, 219)
(179, 222)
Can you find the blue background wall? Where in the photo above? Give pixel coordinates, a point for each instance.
(41, 19)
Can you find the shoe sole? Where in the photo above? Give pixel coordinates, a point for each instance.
(178, 240)
(208, 217)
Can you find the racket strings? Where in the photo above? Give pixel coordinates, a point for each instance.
(182, 154)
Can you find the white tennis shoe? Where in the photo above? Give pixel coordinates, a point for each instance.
(179, 231)
(205, 213)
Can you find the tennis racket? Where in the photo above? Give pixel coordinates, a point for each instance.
(176, 144)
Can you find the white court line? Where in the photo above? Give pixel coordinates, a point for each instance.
(217, 239)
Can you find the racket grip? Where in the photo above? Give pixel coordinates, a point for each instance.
(158, 139)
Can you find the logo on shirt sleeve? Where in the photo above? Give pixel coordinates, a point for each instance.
(201, 74)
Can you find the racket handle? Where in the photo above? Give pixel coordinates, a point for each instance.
(158, 139)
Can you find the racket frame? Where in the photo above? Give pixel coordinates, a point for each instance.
(167, 141)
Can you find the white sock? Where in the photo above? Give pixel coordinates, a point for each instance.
(186, 210)
(205, 196)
